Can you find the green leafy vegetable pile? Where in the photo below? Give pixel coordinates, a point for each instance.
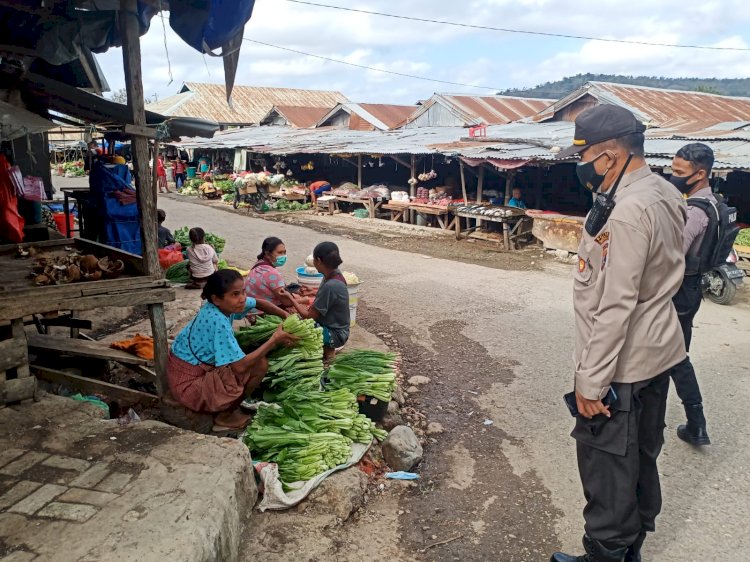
(178, 273)
(306, 430)
(365, 373)
(182, 235)
(743, 237)
(284, 205)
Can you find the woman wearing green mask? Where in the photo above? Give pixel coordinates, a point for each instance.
(264, 281)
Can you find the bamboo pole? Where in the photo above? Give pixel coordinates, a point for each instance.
(145, 193)
(509, 177)
(359, 171)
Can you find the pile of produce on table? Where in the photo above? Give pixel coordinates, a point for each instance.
(743, 237)
(305, 429)
(182, 235)
(73, 169)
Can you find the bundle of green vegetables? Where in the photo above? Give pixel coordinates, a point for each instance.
(365, 373)
(310, 336)
(289, 368)
(225, 185)
(178, 273)
(279, 432)
(182, 235)
(300, 455)
(258, 333)
(743, 237)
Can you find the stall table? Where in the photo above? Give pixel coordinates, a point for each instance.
(81, 196)
(372, 205)
(20, 298)
(515, 224)
(397, 210)
(434, 213)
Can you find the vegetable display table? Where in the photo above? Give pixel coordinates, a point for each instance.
(397, 210)
(433, 214)
(372, 205)
(514, 221)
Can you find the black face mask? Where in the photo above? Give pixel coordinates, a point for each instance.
(588, 177)
(681, 182)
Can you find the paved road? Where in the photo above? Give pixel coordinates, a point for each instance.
(498, 346)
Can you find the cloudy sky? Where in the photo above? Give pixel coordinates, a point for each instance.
(478, 58)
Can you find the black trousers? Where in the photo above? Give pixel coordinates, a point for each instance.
(617, 462)
(687, 301)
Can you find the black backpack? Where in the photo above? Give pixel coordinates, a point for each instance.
(720, 234)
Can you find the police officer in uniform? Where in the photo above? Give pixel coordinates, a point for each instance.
(691, 172)
(628, 337)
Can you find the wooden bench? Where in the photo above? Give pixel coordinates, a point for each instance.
(439, 214)
(397, 211)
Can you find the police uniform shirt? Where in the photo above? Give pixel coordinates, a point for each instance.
(626, 326)
(697, 222)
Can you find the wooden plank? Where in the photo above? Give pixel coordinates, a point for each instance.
(19, 337)
(19, 389)
(359, 171)
(84, 289)
(92, 386)
(509, 177)
(12, 354)
(161, 346)
(83, 348)
(398, 160)
(19, 308)
(463, 182)
(140, 131)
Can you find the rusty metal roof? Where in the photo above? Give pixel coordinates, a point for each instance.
(672, 109)
(296, 116)
(391, 115)
(249, 103)
(371, 116)
(485, 110)
(533, 142)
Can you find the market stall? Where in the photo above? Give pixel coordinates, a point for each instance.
(514, 222)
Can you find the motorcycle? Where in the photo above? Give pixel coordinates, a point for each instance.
(254, 197)
(720, 284)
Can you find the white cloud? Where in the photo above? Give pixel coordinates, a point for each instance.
(453, 53)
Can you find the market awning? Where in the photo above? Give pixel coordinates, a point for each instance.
(16, 122)
(500, 164)
(96, 110)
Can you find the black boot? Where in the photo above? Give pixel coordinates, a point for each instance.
(595, 552)
(694, 432)
(634, 551)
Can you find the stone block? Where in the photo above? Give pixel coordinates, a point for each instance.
(67, 463)
(91, 497)
(8, 455)
(77, 512)
(38, 499)
(114, 483)
(17, 493)
(23, 463)
(401, 450)
(92, 476)
(19, 556)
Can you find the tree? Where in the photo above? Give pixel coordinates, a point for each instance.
(119, 96)
(707, 90)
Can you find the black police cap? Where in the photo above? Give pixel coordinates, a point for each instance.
(599, 124)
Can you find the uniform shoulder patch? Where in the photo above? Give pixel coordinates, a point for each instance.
(581, 265)
(602, 238)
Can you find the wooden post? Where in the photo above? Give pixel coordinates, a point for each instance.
(509, 177)
(412, 188)
(480, 187)
(145, 194)
(155, 175)
(463, 183)
(359, 171)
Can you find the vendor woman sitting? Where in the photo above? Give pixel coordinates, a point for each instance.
(207, 370)
(264, 281)
(331, 306)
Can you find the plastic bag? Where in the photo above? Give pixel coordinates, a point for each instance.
(168, 258)
(16, 178)
(33, 189)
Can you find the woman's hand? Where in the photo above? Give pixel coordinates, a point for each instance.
(280, 337)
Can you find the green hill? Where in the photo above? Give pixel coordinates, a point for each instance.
(560, 88)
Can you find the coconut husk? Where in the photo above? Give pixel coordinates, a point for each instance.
(89, 263)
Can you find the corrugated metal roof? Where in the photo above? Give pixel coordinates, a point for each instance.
(485, 110)
(370, 116)
(515, 141)
(249, 103)
(296, 116)
(391, 115)
(672, 109)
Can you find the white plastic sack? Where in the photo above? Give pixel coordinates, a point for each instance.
(274, 496)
